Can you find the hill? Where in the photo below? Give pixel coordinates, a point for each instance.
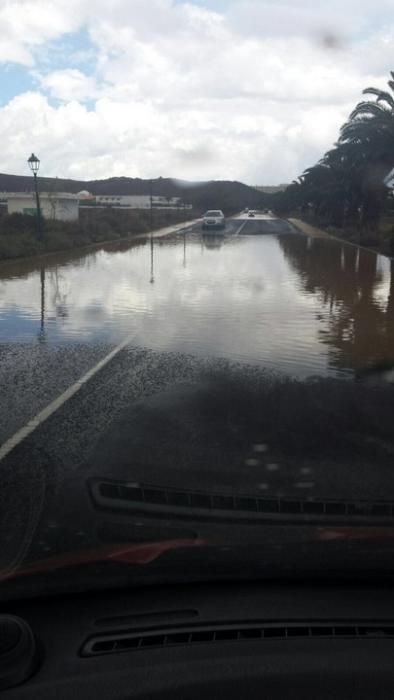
(222, 194)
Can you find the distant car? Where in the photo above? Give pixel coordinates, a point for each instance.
(251, 215)
(213, 219)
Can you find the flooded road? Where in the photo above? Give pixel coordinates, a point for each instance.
(198, 351)
(299, 305)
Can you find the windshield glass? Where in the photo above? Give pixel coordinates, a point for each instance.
(196, 292)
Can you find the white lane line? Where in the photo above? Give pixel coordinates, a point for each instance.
(43, 415)
(240, 228)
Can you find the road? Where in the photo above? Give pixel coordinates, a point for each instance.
(29, 374)
(97, 410)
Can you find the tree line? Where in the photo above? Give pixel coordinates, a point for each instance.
(346, 188)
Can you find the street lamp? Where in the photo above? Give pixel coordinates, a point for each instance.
(34, 165)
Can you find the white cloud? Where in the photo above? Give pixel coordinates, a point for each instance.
(314, 19)
(257, 93)
(26, 24)
(69, 84)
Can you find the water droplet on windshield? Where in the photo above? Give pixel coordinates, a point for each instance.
(260, 447)
(252, 462)
(272, 467)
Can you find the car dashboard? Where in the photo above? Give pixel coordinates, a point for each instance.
(229, 640)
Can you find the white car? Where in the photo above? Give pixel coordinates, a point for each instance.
(213, 219)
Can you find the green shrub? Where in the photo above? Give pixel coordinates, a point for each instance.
(18, 232)
(16, 224)
(22, 245)
(58, 240)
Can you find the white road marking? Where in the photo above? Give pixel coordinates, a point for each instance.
(238, 231)
(43, 415)
(27, 429)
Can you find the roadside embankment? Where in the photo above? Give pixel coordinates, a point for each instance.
(19, 237)
(310, 230)
(382, 244)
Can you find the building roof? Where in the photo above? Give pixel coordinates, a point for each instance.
(45, 195)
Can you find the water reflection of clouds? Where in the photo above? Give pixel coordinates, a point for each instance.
(381, 293)
(244, 301)
(381, 290)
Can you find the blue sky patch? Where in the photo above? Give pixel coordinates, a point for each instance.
(14, 80)
(70, 51)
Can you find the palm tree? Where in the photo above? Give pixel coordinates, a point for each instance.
(347, 185)
(369, 133)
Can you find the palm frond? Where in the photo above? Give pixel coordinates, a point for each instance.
(382, 95)
(369, 108)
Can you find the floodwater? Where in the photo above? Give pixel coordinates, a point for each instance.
(304, 306)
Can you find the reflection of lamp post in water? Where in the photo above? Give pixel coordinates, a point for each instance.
(184, 249)
(34, 165)
(41, 334)
(152, 276)
(151, 203)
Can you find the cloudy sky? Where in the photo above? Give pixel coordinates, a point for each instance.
(250, 90)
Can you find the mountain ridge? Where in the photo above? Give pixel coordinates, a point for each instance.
(226, 194)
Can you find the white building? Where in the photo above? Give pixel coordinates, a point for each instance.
(54, 205)
(139, 201)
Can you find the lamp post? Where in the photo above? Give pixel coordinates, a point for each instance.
(34, 165)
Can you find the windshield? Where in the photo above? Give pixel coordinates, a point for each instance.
(196, 292)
